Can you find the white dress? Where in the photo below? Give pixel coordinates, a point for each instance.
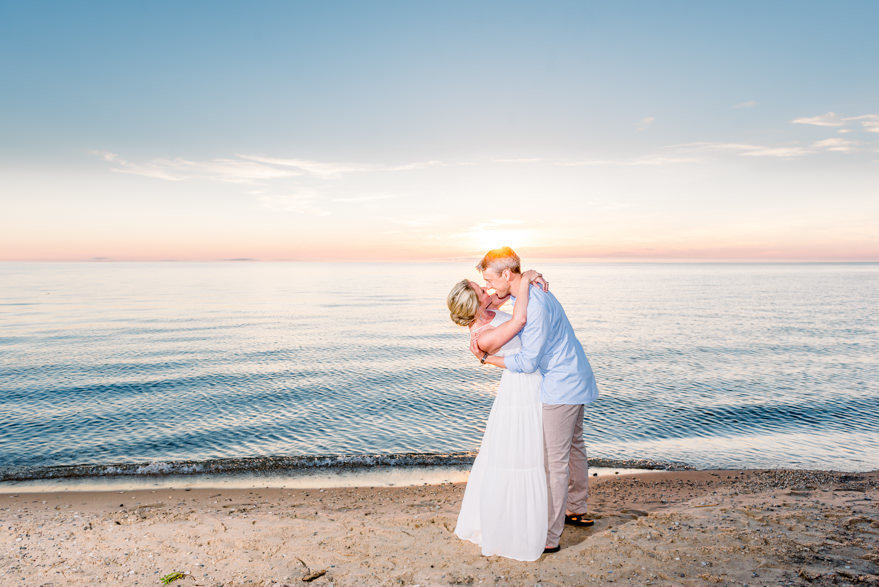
(505, 506)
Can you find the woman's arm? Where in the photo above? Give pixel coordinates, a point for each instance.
(497, 302)
(494, 338)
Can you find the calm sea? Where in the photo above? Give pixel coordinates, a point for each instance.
(176, 368)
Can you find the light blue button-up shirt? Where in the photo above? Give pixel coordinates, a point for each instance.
(549, 346)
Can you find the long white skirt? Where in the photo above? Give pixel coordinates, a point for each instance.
(505, 506)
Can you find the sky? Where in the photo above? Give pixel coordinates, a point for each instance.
(367, 131)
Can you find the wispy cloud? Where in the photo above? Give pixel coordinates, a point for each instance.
(748, 104)
(223, 169)
(410, 166)
(834, 144)
(645, 123)
(651, 161)
(746, 150)
(690, 152)
(330, 169)
(305, 166)
(242, 168)
(781, 151)
(829, 119)
(869, 122)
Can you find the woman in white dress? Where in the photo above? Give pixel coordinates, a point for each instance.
(504, 509)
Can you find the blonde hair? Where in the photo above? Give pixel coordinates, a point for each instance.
(499, 259)
(463, 303)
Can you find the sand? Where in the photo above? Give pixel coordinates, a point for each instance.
(682, 528)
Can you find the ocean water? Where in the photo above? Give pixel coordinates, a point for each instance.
(180, 368)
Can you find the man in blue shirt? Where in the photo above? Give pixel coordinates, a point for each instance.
(550, 347)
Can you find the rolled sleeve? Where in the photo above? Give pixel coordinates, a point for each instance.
(534, 337)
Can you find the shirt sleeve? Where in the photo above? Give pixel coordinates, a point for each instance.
(534, 340)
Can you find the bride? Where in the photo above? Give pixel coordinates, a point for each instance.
(505, 504)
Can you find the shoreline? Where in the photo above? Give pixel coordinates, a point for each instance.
(687, 527)
(309, 479)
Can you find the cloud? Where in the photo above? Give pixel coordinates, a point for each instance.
(645, 123)
(224, 169)
(869, 122)
(245, 168)
(746, 150)
(329, 169)
(834, 144)
(653, 161)
(748, 104)
(123, 166)
(305, 166)
(829, 119)
(411, 166)
(230, 170)
(782, 151)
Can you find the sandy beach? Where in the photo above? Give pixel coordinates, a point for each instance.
(681, 528)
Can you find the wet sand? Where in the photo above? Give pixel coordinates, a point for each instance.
(681, 528)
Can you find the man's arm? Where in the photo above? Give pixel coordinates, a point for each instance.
(534, 340)
(492, 339)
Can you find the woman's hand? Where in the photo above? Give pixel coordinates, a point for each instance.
(533, 276)
(474, 348)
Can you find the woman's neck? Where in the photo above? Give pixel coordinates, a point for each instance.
(483, 317)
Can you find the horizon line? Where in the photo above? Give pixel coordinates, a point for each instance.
(549, 259)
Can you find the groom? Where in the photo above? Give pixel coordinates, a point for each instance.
(550, 347)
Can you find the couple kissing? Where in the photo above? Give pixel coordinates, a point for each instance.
(531, 474)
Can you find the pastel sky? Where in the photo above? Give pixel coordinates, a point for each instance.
(384, 130)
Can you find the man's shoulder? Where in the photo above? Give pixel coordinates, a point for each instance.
(544, 298)
(539, 297)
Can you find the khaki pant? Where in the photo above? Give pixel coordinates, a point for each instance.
(567, 472)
